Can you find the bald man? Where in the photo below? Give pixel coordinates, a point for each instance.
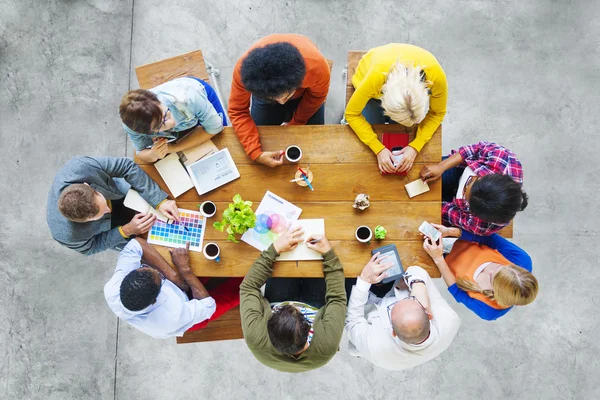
(410, 325)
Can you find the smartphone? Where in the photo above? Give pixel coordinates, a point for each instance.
(429, 230)
(397, 159)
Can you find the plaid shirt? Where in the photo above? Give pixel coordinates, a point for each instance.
(484, 158)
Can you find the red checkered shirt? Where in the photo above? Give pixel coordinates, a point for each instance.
(483, 158)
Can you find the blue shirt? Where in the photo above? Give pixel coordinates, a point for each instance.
(511, 252)
(171, 315)
(189, 104)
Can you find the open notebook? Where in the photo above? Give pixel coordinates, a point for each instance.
(302, 253)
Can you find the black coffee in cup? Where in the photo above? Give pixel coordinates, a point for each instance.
(212, 250)
(293, 153)
(208, 208)
(363, 233)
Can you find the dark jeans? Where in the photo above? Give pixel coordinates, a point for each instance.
(450, 179)
(266, 112)
(306, 290)
(120, 215)
(378, 290)
(213, 98)
(374, 113)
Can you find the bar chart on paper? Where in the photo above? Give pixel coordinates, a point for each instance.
(175, 235)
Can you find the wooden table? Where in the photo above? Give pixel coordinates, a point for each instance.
(343, 167)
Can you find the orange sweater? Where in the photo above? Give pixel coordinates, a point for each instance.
(466, 257)
(313, 91)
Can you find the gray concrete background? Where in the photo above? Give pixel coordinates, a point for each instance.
(523, 73)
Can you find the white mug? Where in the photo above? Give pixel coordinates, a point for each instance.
(368, 239)
(291, 159)
(215, 257)
(206, 214)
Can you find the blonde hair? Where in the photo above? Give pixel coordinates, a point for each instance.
(512, 286)
(405, 94)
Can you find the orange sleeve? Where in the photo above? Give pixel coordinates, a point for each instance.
(314, 95)
(239, 113)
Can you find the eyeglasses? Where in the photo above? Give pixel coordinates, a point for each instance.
(164, 119)
(470, 180)
(389, 308)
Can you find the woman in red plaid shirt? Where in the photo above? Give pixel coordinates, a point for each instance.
(481, 187)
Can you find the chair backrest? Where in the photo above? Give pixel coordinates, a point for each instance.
(354, 57)
(188, 64)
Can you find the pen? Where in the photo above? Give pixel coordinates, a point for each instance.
(314, 241)
(307, 182)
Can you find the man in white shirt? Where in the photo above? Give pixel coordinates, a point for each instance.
(151, 296)
(410, 325)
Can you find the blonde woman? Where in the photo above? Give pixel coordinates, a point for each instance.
(397, 83)
(488, 274)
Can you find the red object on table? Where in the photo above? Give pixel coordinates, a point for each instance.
(391, 140)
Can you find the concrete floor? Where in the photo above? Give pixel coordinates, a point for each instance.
(523, 73)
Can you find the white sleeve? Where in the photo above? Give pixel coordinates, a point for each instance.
(357, 327)
(200, 310)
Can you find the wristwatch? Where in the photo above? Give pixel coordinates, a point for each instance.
(415, 281)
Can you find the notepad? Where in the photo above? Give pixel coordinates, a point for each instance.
(174, 174)
(416, 188)
(136, 202)
(302, 252)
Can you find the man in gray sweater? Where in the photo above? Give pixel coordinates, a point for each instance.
(85, 210)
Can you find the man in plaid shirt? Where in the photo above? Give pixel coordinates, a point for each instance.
(481, 187)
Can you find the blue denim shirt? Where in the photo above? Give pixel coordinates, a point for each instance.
(189, 104)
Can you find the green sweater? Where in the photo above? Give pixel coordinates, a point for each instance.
(328, 325)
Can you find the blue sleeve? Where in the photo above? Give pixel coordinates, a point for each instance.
(482, 310)
(139, 140)
(509, 250)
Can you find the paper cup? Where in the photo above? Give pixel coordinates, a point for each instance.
(363, 234)
(293, 153)
(211, 209)
(212, 251)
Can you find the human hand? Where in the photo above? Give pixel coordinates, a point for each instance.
(289, 240)
(448, 231)
(434, 249)
(409, 154)
(169, 208)
(139, 224)
(431, 173)
(374, 271)
(181, 259)
(318, 243)
(160, 148)
(271, 158)
(386, 162)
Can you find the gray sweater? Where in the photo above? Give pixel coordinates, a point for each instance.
(111, 177)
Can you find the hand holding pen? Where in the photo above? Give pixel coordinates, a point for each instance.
(318, 243)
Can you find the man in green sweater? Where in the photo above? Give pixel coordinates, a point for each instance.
(290, 335)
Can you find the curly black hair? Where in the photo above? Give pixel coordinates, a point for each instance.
(497, 198)
(273, 70)
(139, 289)
(288, 330)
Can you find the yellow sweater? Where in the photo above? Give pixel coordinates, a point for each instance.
(370, 76)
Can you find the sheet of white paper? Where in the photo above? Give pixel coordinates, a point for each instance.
(273, 216)
(136, 202)
(311, 227)
(174, 175)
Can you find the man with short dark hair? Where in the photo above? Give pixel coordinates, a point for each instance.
(287, 78)
(85, 210)
(410, 325)
(148, 294)
(298, 324)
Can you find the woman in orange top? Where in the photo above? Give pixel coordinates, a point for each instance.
(488, 274)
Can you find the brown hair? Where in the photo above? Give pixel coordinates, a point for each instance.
(512, 286)
(77, 202)
(140, 110)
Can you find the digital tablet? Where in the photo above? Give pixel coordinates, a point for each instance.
(391, 254)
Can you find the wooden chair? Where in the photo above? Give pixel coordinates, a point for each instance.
(354, 57)
(189, 64)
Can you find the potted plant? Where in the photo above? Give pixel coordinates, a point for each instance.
(380, 232)
(237, 218)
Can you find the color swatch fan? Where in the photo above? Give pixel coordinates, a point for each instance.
(175, 235)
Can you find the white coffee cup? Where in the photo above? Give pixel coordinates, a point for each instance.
(293, 160)
(363, 238)
(208, 248)
(208, 204)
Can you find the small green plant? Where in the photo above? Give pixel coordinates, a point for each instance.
(237, 218)
(380, 232)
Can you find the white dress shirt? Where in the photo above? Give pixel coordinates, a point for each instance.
(370, 330)
(172, 313)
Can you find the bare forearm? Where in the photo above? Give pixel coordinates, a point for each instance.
(419, 290)
(447, 275)
(195, 138)
(199, 292)
(453, 161)
(153, 258)
(146, 156)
